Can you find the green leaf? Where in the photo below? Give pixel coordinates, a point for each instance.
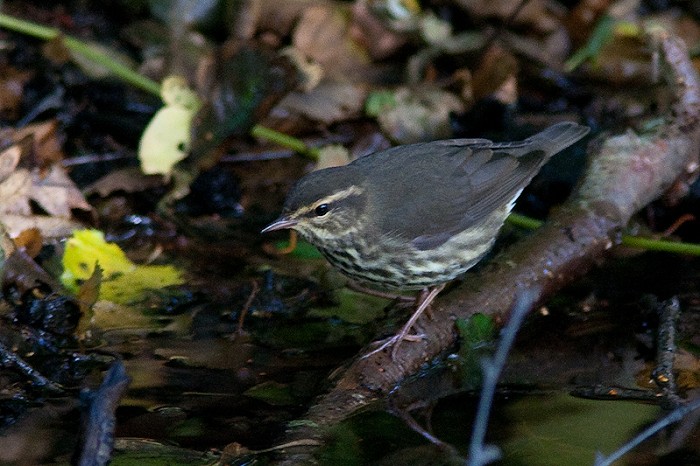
(147, 452)
(478, 336)
(271, 392)
(476, 331)
(378, 101)
(549, 431)
(354, 307)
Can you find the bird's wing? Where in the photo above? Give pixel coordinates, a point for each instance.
(455, 184)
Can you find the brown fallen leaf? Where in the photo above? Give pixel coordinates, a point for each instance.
(15, 189)
(323, 35)
(31, 241)
(56, 193)
(496, 68)
(87, 296)
(374, 35)
(129, 180)
(535, 14)
(50, 227)
(52, 190)
(421, 113)
(329, 102)
(43, 140)
(11, 91)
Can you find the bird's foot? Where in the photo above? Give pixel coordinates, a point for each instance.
(394, 341)
(423, 302)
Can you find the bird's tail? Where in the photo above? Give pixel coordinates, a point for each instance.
(546, 143)
(557, 137)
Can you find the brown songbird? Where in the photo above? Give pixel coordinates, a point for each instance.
(414, 217)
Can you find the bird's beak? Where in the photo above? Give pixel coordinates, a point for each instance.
(280, 224)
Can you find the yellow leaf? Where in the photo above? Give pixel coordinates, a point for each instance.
(123, 281)
(130, 287)
(176, 92)
(85, 249)
(166, 139)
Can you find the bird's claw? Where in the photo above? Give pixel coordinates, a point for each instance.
(394, 341)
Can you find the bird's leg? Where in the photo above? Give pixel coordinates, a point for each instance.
(424, 300)
(422, 296)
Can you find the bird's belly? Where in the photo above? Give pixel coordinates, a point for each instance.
(400, 266)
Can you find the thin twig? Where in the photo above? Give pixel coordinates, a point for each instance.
(479, 453)
(246, 306)
(9, 359)
(666, 351)
(95, 158)
(677, 224)
(507, 23)
(675, 416)
(99, 429)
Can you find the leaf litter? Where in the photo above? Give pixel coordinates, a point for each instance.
(459, 80)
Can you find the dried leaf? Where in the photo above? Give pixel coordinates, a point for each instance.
(56, 193)
(496, 68)
(90, 289)
(30, 240)
(329, 102)
(130, 180)
(9, 159)
(322, 34)
(44, 142)
(50, 227)
(11, 91)
(420, 114)
(533, 14)
(310, 73)
(14, 193)
(373, 34)
(332, 156)
(87, 296)
(22, 271)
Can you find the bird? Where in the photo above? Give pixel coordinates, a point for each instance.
(417, 216)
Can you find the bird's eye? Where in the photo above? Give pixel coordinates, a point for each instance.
(321, 210)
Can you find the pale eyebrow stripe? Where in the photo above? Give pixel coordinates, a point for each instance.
(351, 191)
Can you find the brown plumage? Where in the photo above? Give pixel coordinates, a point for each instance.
(417, 216)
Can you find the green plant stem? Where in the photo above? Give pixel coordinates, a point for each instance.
(133, 78)
(114, 66)
(523, 221)
(601, 35)
(285, 140)
(632, 241)
(27, 27)
(650, 244)
(77, 46)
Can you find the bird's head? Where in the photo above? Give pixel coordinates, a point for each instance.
(323, 206)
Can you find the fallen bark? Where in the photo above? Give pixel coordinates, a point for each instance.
(626, 173)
